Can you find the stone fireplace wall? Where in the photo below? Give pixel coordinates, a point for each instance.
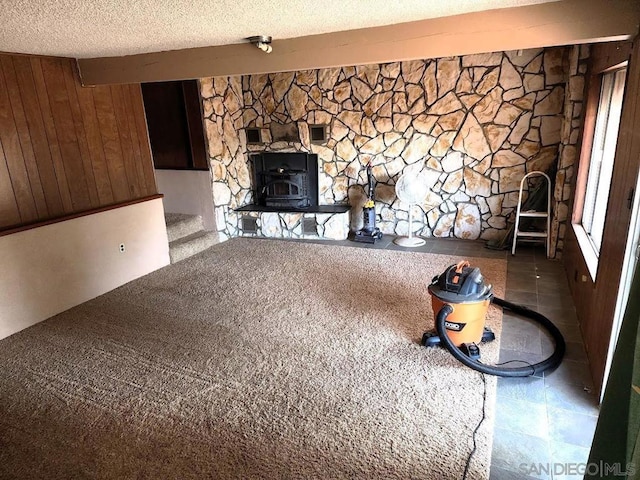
(476, 124)
(568, 153)
(223, 107)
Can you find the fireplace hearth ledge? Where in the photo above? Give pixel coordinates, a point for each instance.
(313, 209)
(325, 222)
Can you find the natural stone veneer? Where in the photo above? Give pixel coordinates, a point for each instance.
(476, 124)
(571, 127)
(330, 226)
(222, 107)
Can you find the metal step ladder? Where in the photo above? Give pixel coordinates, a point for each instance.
(533, 236)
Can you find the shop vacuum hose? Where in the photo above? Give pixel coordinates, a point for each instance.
(526, 371)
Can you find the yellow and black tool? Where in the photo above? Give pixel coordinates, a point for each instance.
(369, 233)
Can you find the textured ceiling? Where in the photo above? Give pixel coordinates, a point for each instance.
(90, 28)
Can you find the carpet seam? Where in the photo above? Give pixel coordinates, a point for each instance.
(475, 431)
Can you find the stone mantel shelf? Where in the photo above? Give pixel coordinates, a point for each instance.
(314, 209)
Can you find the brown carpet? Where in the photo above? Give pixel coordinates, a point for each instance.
(255, 359)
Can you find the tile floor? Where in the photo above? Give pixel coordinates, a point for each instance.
(546, 421)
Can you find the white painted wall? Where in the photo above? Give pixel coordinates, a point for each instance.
(47, 270)
(188, 191)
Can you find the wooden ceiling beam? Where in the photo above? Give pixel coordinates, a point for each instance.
(556, 23)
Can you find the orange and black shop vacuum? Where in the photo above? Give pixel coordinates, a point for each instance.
(460, 299)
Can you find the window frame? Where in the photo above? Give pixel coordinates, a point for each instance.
(587, 246)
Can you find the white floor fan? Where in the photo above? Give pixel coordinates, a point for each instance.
(411, 189)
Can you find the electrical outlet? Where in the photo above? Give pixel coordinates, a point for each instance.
(122, 248)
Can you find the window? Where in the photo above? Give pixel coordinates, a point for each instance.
(591, 218)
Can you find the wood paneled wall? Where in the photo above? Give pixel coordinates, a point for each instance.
(65, 148)
(595, 301)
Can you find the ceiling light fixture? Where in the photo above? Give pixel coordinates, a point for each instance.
(263, 42)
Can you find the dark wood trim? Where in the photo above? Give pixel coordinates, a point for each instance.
(609, 56)
(592, 100)
(31, 226)
(596, 300)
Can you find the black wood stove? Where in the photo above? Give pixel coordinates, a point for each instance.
(287, 181)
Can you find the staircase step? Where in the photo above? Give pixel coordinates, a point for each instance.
(187, 246)
(180, 225)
